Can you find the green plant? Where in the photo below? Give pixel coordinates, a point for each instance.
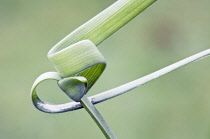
(80, 64)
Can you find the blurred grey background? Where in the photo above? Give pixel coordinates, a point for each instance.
(175, 106)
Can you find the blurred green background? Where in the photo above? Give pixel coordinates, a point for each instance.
(175, 106)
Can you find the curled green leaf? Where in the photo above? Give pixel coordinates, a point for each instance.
(78, 61)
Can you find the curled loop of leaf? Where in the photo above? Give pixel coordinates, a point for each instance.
(79, 66)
